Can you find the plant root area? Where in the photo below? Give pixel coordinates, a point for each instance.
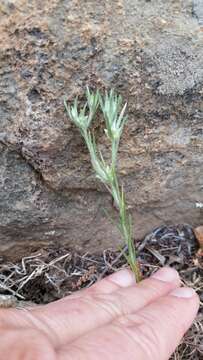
(53, 273)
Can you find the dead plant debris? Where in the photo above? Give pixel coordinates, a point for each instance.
(53, 273)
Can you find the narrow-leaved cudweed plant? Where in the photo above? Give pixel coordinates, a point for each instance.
(115, 118)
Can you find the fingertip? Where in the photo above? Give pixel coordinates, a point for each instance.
(166, 274)
(183, 292)
(123, 278)
(190, 296)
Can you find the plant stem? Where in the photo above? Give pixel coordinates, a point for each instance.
(125, 227)
(114, 122)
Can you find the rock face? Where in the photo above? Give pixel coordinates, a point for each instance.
(149, 51)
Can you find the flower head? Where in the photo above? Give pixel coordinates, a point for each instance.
(111, 105)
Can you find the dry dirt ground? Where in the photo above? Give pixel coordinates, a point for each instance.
(53, 273)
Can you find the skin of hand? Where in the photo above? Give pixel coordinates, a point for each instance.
(115, 319)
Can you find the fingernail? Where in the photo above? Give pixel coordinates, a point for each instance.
(166, 274)
(183, 292)
(123, 278)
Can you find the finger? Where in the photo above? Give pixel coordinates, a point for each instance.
(111, 283)
(68, 320)
(171, 317)
(11, 317)
(18, 344)
(153, 333)
(120, 279)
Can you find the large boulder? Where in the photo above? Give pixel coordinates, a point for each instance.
(151, 52)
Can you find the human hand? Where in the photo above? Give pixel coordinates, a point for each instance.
(114, 319)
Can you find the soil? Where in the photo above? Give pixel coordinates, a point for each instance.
(54, 272)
